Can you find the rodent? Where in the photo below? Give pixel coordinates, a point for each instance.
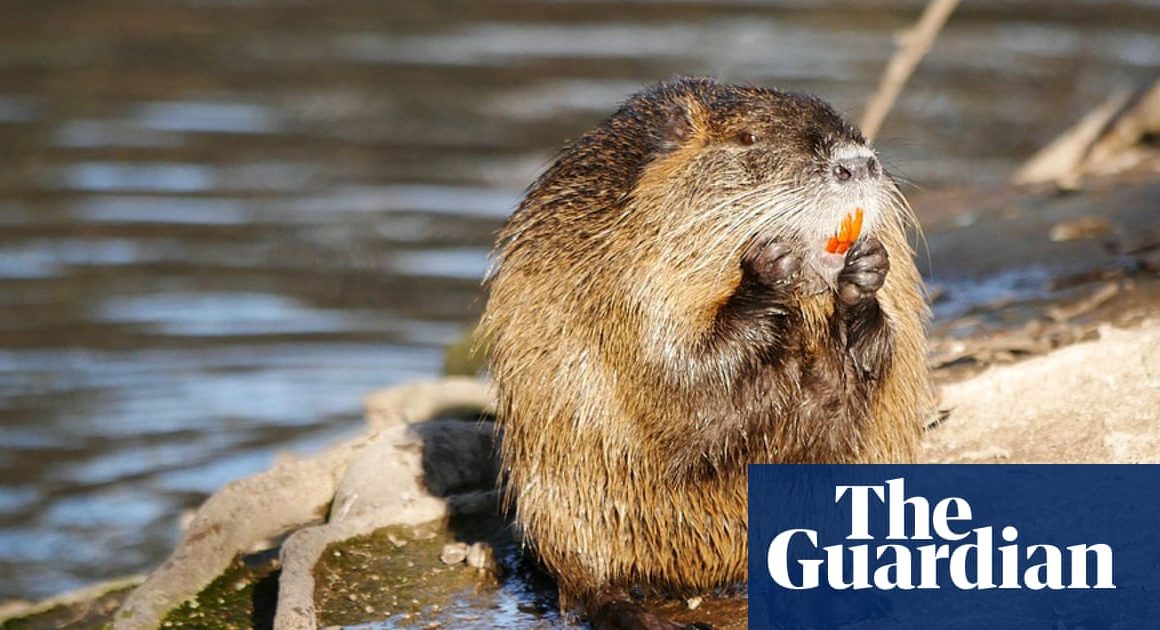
(663, 311)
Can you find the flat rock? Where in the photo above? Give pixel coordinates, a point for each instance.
(1090, 402)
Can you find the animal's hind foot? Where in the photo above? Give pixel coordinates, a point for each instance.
(613, 608)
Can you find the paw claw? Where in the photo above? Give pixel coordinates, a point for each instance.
(771, 263)
(864, 272)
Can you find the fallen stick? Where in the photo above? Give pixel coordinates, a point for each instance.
(916, 42)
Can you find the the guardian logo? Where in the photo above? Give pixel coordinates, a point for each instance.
(959, 555)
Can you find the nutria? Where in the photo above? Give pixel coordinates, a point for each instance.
(663, 311)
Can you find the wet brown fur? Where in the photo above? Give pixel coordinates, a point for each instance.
(637, 376)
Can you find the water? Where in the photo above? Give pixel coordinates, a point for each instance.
(223, 222)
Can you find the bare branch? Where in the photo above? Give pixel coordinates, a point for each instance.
(915, 43)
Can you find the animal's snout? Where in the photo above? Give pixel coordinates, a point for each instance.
(851, 169)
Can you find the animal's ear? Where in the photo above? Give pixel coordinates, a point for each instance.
(677, 126)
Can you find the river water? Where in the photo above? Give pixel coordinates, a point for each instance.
(223, 222)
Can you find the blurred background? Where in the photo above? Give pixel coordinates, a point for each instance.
(222, 222)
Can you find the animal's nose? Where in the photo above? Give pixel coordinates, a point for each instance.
(855, 168)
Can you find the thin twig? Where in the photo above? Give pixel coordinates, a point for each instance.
(914, 46)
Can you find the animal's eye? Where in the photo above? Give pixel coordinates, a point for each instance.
(746, 138)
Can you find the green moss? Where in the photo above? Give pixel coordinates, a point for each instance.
(95, 614)
(243, 597)
(396, 575)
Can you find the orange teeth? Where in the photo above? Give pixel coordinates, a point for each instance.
(847, 234)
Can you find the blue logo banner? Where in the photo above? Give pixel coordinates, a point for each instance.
(1059, 547)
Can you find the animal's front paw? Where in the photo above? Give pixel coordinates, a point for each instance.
(864, 271)
(772, 264)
